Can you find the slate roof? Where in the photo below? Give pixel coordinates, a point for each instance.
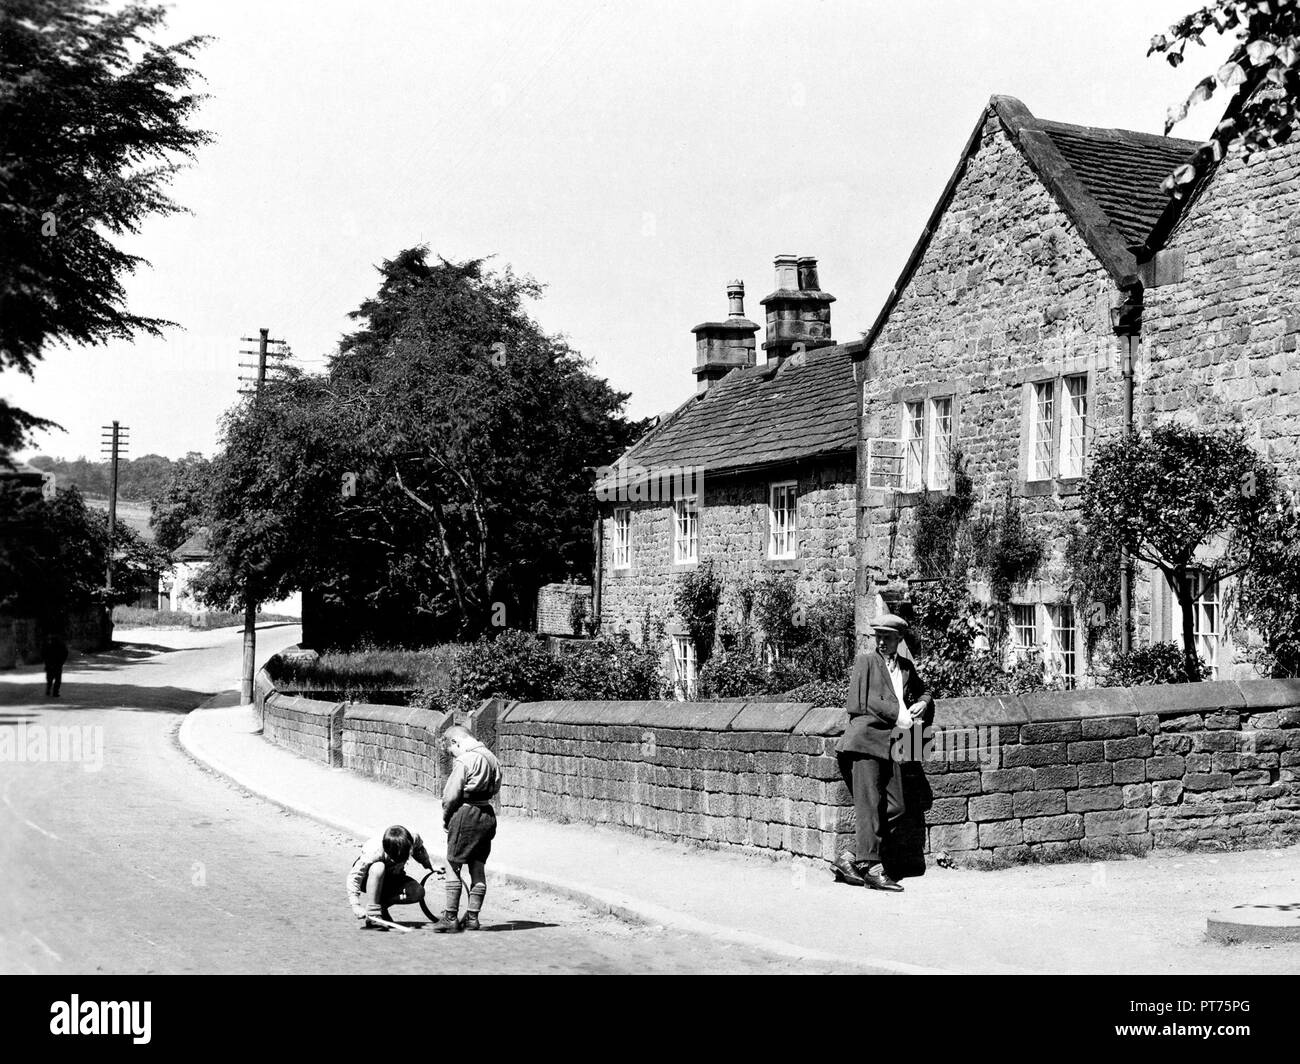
(758, 417)
(1106, 181)
(195, 549)
(1123, 170)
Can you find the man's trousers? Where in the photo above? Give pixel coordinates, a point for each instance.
(876, 784)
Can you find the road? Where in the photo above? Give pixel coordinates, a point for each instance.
(137, 860)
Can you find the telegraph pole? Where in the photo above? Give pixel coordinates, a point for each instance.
(263, 352)
(112, 443)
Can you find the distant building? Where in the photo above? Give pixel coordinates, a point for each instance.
(176, 587)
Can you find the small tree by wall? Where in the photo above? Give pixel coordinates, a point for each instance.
(1183, 500)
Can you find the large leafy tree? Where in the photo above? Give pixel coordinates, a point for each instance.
(93, 122)
(1261, 77)
(176, 511)
(54, 555)
(469, 432)
(1183, 500)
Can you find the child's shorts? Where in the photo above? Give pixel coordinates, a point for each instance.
(398, 890)
(470, 832)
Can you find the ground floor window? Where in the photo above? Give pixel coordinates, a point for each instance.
(1062, 658)
(684, 667)
(1024, 629)
(1205, 621)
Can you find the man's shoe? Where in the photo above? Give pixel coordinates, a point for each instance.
(470, 922)
(880, 881)
(845, 872)
(446, 924)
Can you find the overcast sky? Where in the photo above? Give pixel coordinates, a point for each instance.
(632, 156)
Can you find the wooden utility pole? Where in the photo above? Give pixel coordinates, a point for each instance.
(113, 442)
(250, 607)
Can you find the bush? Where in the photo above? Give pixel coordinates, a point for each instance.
(610, 669)
(822, 693)
(135, 617)
(732, 673)
(358, 673)
(1152, 664)
(514, 665)
(696, 597)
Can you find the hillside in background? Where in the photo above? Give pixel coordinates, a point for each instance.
(138, 480)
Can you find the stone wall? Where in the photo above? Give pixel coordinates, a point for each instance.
(733, 531)
(555, 606)
(89, 629)
(395, 745)
(307, 727)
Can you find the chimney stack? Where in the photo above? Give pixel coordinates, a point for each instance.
(798, 312)
(721, 346)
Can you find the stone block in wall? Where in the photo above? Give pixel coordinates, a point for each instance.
(1167, 792)
(1085, 704)
(1000, 833)
(1087, 750)
(1096, 774)
(1053, 828)
(990, 807)
(822, 721)
(948, 837)
(1270, 694)
(947, 811)
(1165, 745)
(1112, 728)
(1206, 781)
(1183, 698)
(1006, 779)
(1054, 732)
(1124, 749)
(1037, 803)
(1131, 770)
(954, 784)
(1054, 777)
(1093, 798)
(1115, 822)
(1034, 756)
(781, 717)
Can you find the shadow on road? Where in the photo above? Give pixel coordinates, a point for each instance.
(103, 696)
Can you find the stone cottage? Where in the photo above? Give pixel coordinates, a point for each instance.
(754, 472)
(999, 343)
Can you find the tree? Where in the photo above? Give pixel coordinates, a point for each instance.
(1262, 74)
(176, 511)
(93, 116)
(54, 555)
(469, 433)
(1183, 500)
(1268, 597)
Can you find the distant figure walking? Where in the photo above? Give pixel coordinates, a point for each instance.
(54, 652)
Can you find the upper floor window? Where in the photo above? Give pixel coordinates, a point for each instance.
(913, 445)
(686, 530)
(940, 443)
(623, 537)
(1057, 423)
(783, 520)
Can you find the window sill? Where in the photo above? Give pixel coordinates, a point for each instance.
(783, 563)
(685, 564)
(1051, 486)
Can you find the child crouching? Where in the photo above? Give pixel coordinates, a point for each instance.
(471, 824)
(378, 877)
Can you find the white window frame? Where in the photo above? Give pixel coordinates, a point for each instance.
(913, 418)
(622, 537)
(1042, 429)
(940, 443)
(686, 530)
(783, 520)
(1206, 618)
(1074, 424)
(1024, 637)
(684, 670)
(1062, 657)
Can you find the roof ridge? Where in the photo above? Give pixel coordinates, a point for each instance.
(1153, 139)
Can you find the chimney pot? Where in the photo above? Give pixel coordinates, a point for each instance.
(787, 272)
(736, 299)
(808, 274)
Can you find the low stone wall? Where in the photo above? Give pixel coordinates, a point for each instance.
(1046, 776)
(395, 745)
(90, 629)
(305, 726)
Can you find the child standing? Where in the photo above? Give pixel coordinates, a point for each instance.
(378, 877)
(471, 824)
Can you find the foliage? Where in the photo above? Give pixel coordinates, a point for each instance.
(578, 614)
(177, 509)
(136, 617)
(513, 665)
(54, 555)
(93, 118)
(774, 609)
(1008, 552)
(1183, 499)
(941, 535)
(610, 669)
(827, 641)
(1268, 598)
(354, 674)
(1092, 561)
(143, 479)
(1266, 57)
(822, 693)
(696, 597)
(732, 673)
(470, 433)
(1152, 664)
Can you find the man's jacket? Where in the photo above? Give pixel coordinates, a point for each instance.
(873, 706)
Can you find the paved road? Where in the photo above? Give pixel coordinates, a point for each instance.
(149, 863)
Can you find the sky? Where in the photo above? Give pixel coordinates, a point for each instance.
(632, 156)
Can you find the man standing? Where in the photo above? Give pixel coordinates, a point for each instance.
(886, 695)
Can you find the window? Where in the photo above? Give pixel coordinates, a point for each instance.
(783, 520)
(1074, 431)
(940, 442)
(686, 530)
(1040, 431)
(623, 537)
(1205, 621)
(1061, 656)
(683, 667)
(914, 445)
(1024, 629)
